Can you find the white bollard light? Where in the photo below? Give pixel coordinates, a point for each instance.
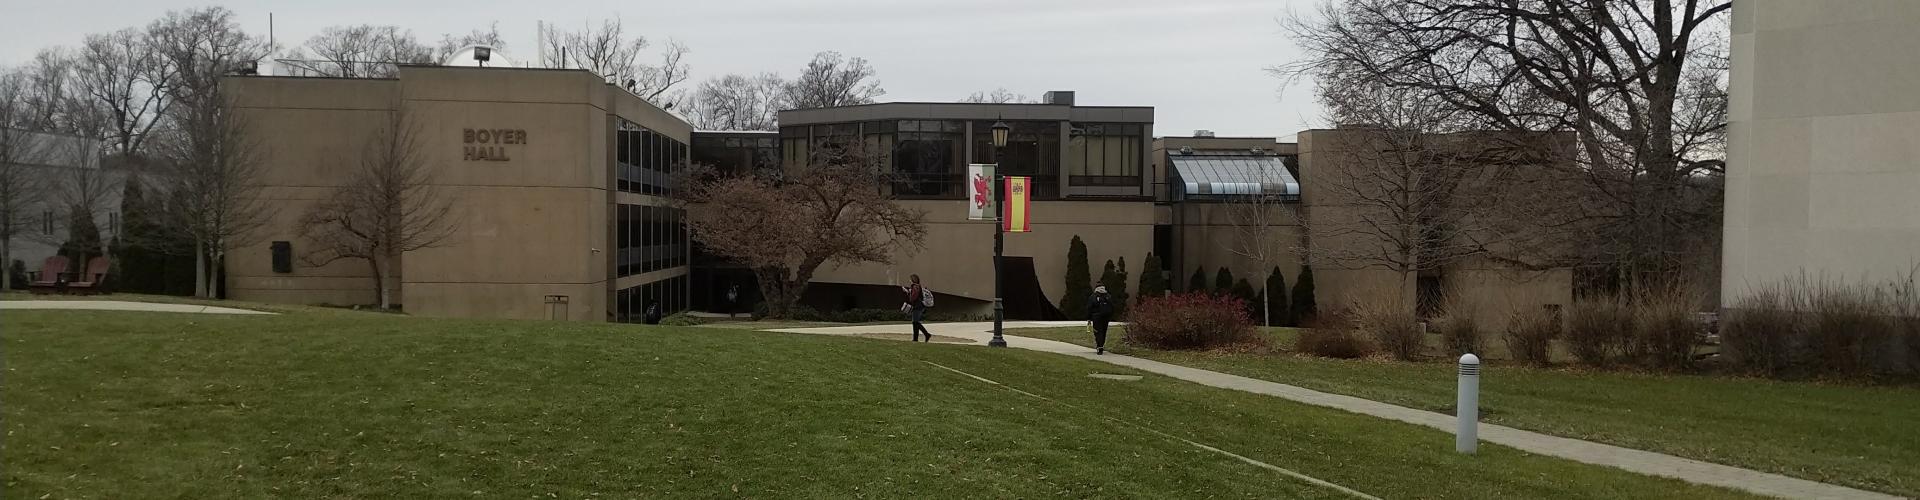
(1466, 439)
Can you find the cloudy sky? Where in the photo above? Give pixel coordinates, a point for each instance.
(1199, 62)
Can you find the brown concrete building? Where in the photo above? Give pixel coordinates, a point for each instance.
(1344, 174)
(1090, 179)
(559, 184)
(562, 188)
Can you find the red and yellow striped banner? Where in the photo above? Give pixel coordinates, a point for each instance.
(1018, 199)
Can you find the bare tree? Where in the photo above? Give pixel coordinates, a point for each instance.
(21, 191)
(1403, 198)
(211, 186)
(831, 80)
(998, 96)
(209, 189)
(125, 77)
(363, 51)
(609, 52)
(736, 102)
(82, 190)
(449, 43)
(203, 46)
(387, 207)
(1262, 226)
(784, 227)
(48, 91)
(1632, 80)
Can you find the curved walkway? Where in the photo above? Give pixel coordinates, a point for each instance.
(121, 305)
(1643, 462)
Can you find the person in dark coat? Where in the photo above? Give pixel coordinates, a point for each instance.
(651, 315)
(916, 307)
(1099, 312)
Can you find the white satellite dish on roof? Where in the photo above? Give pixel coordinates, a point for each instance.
(480, 55)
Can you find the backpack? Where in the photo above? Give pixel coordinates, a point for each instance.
(926, 297)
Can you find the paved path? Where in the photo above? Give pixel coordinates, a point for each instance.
(1644, 462)
(121, 305)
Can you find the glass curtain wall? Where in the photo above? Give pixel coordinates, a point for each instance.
(648, 238)
(926, 157)
(646, 162)
(1033, 150)
(1105, 154)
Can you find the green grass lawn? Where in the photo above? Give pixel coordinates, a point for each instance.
(353, 405)
(1860, 436)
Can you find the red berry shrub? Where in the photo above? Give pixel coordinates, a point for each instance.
(1189, 321)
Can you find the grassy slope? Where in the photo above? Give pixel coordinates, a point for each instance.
(115, 404)
(1858, 436)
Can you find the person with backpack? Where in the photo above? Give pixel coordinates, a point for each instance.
(918, 300)
(1099, 312)
(651, 315)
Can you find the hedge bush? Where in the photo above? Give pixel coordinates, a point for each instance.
(1303, 307)
(1079, 281)
(1189, 321)
(681, 319)
(1333, 343)
(1153, 280)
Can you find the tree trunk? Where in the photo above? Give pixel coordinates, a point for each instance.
(1266, 310)
(6, 260)
(379, 282)
(199, 269)
(773, 288)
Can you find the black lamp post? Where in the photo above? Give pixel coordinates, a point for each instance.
(1000, 130)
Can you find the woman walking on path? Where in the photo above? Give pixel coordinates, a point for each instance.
(916, 307)
(1099, 311)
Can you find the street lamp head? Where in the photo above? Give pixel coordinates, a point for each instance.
(1000, 129)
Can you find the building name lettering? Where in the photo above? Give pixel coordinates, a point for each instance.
(490, 144)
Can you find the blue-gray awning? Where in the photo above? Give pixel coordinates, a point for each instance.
(1226, 176)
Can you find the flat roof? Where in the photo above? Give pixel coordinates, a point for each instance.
(966, 111)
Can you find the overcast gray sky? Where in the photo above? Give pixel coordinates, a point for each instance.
(1199, 62)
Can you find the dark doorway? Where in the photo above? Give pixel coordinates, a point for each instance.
(1021, 289)
(1431, 294)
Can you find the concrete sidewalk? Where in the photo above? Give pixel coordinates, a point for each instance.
(1643, 462)
(120, 305)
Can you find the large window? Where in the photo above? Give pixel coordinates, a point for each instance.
(645, 161)
(649, 239)
(1033, 149)
(630, 304)
(793, 146)
(926, 157)
(1105, 154)
(736, 154)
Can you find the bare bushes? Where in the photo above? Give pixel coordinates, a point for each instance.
(1826, 328)
(1459, 326)
(1530, 333)
(1393, 327)
(1332, 335)
(1599, 329)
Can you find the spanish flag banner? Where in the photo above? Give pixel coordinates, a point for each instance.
(1018, 201)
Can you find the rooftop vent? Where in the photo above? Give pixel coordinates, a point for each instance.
(1203, 133)
(1186, 150)
(1060, 97)
(1257, 151)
